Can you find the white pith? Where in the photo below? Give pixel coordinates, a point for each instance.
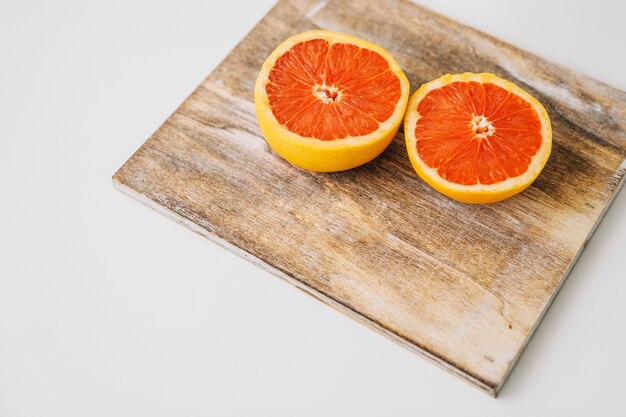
(320, 92)
(482, 127)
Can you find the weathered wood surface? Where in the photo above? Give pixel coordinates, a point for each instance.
(463, 285)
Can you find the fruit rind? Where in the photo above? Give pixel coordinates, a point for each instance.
(326, 155)
(478, 193)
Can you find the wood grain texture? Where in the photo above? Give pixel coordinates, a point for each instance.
(463, 285)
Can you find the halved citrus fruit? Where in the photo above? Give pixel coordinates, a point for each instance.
(326, 101)
(476, 137)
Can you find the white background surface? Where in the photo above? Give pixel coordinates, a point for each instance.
(108, 308)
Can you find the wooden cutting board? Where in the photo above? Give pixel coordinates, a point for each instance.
(464, 286)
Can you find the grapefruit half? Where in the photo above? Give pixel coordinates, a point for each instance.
(326, 101)
(476, 138)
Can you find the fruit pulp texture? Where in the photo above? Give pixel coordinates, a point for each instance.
(475, 133)
(330, 91)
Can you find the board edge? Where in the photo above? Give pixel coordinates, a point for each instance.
(307, 289)
(562, 281)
